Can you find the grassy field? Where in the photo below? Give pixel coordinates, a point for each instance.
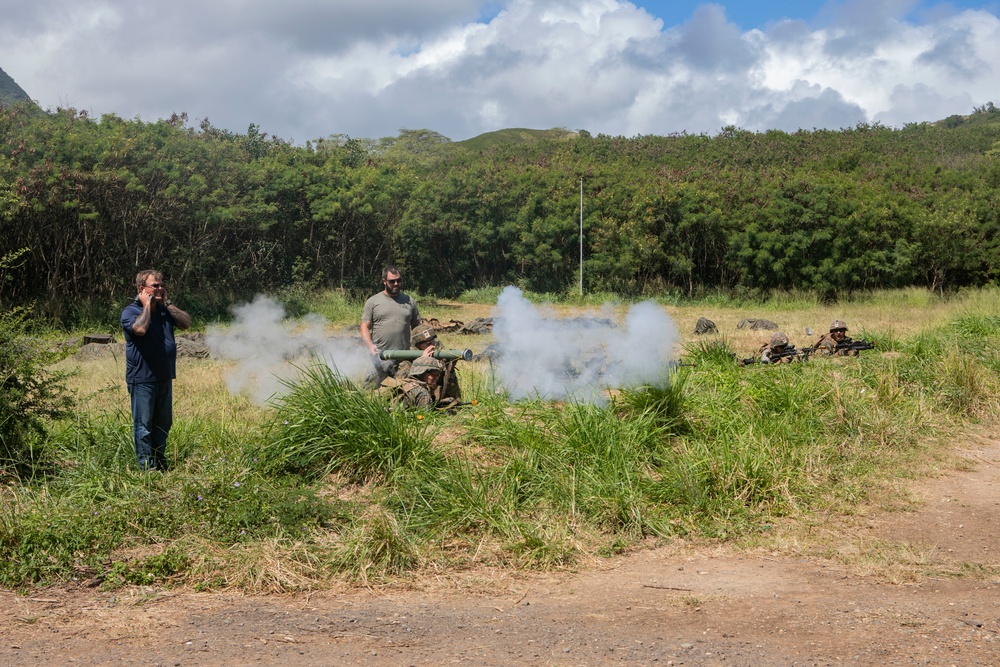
(325, 485)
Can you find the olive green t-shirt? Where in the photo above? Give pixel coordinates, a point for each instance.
(392, 319)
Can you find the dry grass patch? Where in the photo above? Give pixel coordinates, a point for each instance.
(260, 567)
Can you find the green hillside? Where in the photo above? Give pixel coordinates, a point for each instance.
(514, 136)
(9, 90)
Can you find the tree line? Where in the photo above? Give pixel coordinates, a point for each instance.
(226, 215)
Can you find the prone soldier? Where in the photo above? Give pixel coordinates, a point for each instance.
(838, 344)
(421, 388)
(778, 351)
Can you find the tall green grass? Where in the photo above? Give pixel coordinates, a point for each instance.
(336, 306)
(84, 518)
(325, 424)
(335, 484)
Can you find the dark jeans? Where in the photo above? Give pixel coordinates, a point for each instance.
(152, 415)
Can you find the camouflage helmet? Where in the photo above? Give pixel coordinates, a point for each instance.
(838, 325)
(423, 365)
(778, 340)
(422, 333)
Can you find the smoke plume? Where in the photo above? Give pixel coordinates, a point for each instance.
(267, 348)
(555, 358)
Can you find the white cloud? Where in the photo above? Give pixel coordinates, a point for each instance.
(947, 61)
(917, 101)
(303, 69)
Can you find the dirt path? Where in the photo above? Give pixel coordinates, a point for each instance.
(675, 606)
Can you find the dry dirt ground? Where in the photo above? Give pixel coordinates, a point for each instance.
(678, 605)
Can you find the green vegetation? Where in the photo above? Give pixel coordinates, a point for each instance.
(29, 394)
(329, 425)
(682, 217)
(326, 483)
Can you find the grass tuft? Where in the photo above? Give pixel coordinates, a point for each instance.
(375, 547)
(324, 424)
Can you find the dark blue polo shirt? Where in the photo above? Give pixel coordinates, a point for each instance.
(153, 357)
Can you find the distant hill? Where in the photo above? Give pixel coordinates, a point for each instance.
(10, 92)
(517, 135)
(985, 114)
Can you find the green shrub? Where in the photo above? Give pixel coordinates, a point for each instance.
(154, 569)
(243, 507)
(29, 395)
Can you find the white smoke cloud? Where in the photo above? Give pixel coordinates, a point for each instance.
(555, 358)
(268, 348)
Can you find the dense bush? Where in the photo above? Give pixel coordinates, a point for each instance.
(227, 215)
(325, 424)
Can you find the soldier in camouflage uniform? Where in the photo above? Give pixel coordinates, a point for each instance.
(420, 389)
(777, 350)
(423, 337)
(827, 344)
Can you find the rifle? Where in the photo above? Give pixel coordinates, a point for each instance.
(777, 357)
(412, 355)
(851, 345)
(451, 405)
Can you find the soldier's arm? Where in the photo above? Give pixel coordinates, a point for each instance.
(417, 396)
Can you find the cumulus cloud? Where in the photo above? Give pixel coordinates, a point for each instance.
(909, 102)
(710, 43)
(304, 69)
(956, 53)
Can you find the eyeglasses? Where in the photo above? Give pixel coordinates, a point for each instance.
(155, 285)
(394, 281)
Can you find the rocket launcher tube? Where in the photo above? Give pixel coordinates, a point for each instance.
(411, 355)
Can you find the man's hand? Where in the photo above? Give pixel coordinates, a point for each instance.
(428, 351)
(366, 338)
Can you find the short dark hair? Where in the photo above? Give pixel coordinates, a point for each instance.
(390, 269)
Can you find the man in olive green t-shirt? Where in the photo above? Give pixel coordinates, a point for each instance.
(386, 322)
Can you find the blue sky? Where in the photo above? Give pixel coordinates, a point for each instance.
(306, 69)
(748, 15)
(745, 14)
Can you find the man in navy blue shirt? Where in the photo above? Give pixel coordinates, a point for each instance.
(150, 366)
